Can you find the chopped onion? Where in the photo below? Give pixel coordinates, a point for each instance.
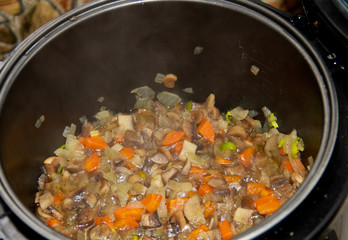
(144, 92)
(179, 186)
(102, 115)
(168, 99)
(253, 113)
(239, 113)
(198, 50)
(188, 90)
(69, 130)
(254, 69)
(39, 121)
(110, 176)
(159, 78)
(101, 99)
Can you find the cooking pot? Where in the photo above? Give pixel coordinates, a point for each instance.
(106, 49)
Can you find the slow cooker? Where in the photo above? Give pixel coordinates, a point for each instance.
(107, 48)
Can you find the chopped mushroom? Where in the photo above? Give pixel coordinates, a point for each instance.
(51, 165)
(100, 232)
(194, 211)
(180, 218)
(150, 220)
(46, 200)
(237, 131)
(217, 182)
(159, 158)
(169, 174)
(169, 80)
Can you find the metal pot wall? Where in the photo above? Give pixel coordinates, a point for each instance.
(108, 48)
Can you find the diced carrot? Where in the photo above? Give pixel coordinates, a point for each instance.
(58, 198)
(197, 170)
(267, 205)
(92, 162)
(248, 138)
(176, 204)
(233, 179)
(178, 147)
(95, 143)
(108, 222)
(194, 234)
(191, 193)
(130, 166)
(98, 221)
(245, 156)
(282, 151)
(126, 212)
(152, 201)
(173, 137)
(225, 230)
(288, 166)
(81, 139)
(255, 187)
(126, 223)
(223, 161)
(128, 152)
(53, 222)
(209, 208)
(266, 192)
(205, 129)
(205, 189)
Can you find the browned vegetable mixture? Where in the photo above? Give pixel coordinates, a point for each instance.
(169, 170)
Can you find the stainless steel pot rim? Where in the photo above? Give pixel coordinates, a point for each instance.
(36, 41)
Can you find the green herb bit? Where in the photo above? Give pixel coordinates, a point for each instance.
(273, 121)
(294, 147)
(228, 146)
(142, 174)
(228, 117)
(63, 146)
(60, 169)
(135, 237)
(281, 142)
(189, 106)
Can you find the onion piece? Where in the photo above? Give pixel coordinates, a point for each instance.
(144, 92)
(69, 130)
(159, 78)
(188, 90)
(239, 113)
(168, 99)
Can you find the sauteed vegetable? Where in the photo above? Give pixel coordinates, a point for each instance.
(169, 170)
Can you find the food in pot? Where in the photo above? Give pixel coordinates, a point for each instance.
(169, 170)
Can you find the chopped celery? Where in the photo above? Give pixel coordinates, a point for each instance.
(228, 146)
(142, 174)
(281, 142)
(189, 106)
(135, 237)
(294, 148)
(228, 117)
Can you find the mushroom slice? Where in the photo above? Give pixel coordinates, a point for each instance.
(180, 218)
(51, 165)
(159, 158)
(150, 220)
(169, 174)
(194, 211)
(237, 131)
(100, 232)
(217, 182)
(46, 200)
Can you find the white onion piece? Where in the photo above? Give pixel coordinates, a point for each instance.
(69, 130)
(144, 92)
(239, 113)
(188, 90)
(168, 99)
(159, 78)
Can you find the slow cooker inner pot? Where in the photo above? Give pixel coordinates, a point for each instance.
(112, 50)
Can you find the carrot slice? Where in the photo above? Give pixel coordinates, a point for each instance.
(245, 156)
(108, 222)
(266, 192)
(178, 147)
(197, 170)
(209, 208)
(128, 152)
(255, 187)
(126, 212)
(95, 143)
(205, 189)
(282, 151)
(98, 221)
(92, 162)
(58, 198)
(233, 178)
(176, 204)
(223, 161)
(126, 223)
(288, 166)
(267, 205)
(173, 137)
(225, 230)
(53, 222)
(152, 201)
(194, 234)
(205, 129)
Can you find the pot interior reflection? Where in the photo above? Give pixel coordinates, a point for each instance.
(113, 48)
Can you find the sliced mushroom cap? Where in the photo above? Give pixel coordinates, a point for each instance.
(278, 181)
(271, 146)
(197, 116)
(51, 165)
(46, 200)
(186, 169)
(166, 152)
(237, 131)
(169, 174)
(67, 204)
(180, 218)
(222, 191)
(100, 232)
(150, 220)
(159, 158)
(217, 182)
(86, 216)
